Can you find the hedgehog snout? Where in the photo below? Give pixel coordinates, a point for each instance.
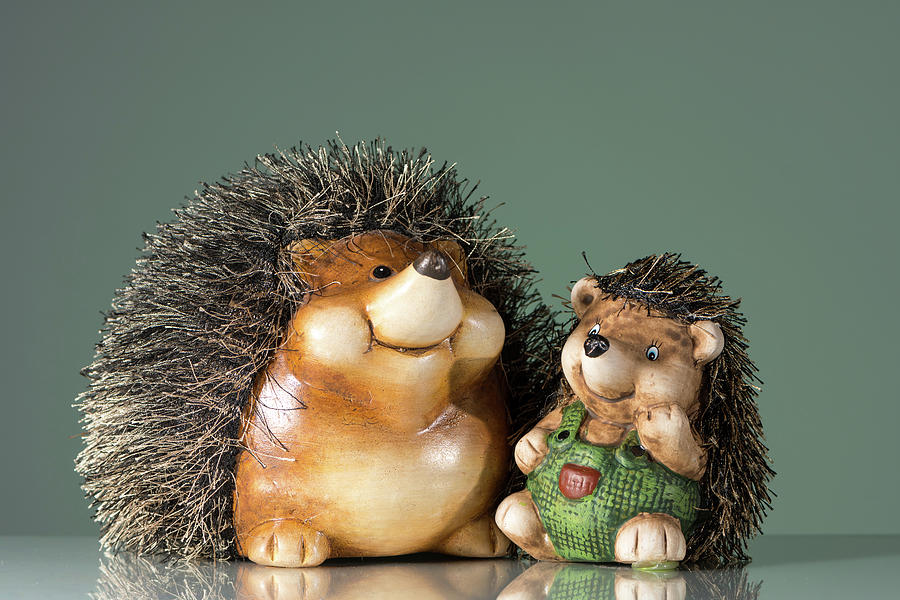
(419, 306)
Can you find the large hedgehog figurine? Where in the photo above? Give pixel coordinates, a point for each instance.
(322, 356)
(654, 453)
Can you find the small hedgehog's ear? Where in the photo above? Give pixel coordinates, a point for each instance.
(708, 341)
(305, 252)
(584, 293)
(455, 252)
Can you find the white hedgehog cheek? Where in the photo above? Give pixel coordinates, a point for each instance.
(571, 357)
(335, 335)
(612, 374)
(481, 334)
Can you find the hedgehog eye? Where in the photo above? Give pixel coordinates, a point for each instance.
(381, 272)
(595, 330)
(652, 353)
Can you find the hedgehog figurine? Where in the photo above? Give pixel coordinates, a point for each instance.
(323, 356)
(654, 453)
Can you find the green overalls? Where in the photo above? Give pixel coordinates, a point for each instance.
(583, 526)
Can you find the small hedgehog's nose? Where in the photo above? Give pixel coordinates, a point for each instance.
(434, 264)
(595, 345)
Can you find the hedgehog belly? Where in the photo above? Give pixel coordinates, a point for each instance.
(373, 489)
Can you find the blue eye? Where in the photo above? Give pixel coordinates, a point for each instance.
(652, 353)
(595, 330)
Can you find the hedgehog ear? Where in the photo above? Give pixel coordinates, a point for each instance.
(584, 293)
(708, 341)
(305, 252)
(455, 252)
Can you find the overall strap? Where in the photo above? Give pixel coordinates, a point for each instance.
(572, 417)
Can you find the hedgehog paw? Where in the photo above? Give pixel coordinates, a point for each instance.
(650, 539)
(480, 537)
(518, 518)
(286, 543)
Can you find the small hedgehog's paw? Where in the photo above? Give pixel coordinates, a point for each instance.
(665, 431)
(531, 450)
(286, 543)
(662, 422)
(256, 582)
(650, 538)
(480, 537)
(518, 518)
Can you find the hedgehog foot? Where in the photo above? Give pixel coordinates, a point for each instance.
(480, 537)
(286, 543)
(650, 539)
(518, 518)
(256, 582)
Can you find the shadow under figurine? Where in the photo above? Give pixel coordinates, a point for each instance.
(307, 364)
(654, 452)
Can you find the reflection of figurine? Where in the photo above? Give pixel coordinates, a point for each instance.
(421, 580)
(131, 577)
(656, 364)
(305, 365)
(555, 581)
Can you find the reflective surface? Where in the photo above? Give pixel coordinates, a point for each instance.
(783, 567)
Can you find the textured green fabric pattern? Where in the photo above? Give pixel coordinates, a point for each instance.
(630, 483)
(592, 582)
(576, 582)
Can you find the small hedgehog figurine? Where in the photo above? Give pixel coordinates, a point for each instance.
(654, 453)
(323, 356)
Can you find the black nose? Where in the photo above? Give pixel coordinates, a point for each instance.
(595, 345)
(432, 263)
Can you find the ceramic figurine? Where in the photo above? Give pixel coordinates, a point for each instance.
(322, 356)
(654, 453)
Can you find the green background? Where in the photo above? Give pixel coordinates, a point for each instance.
(760, 140)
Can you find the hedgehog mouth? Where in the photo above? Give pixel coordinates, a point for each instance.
(579, 373)
(411, 351)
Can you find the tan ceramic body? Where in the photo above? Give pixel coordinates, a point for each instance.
(398, 448)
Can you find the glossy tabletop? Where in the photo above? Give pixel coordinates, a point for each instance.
(811, 566)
